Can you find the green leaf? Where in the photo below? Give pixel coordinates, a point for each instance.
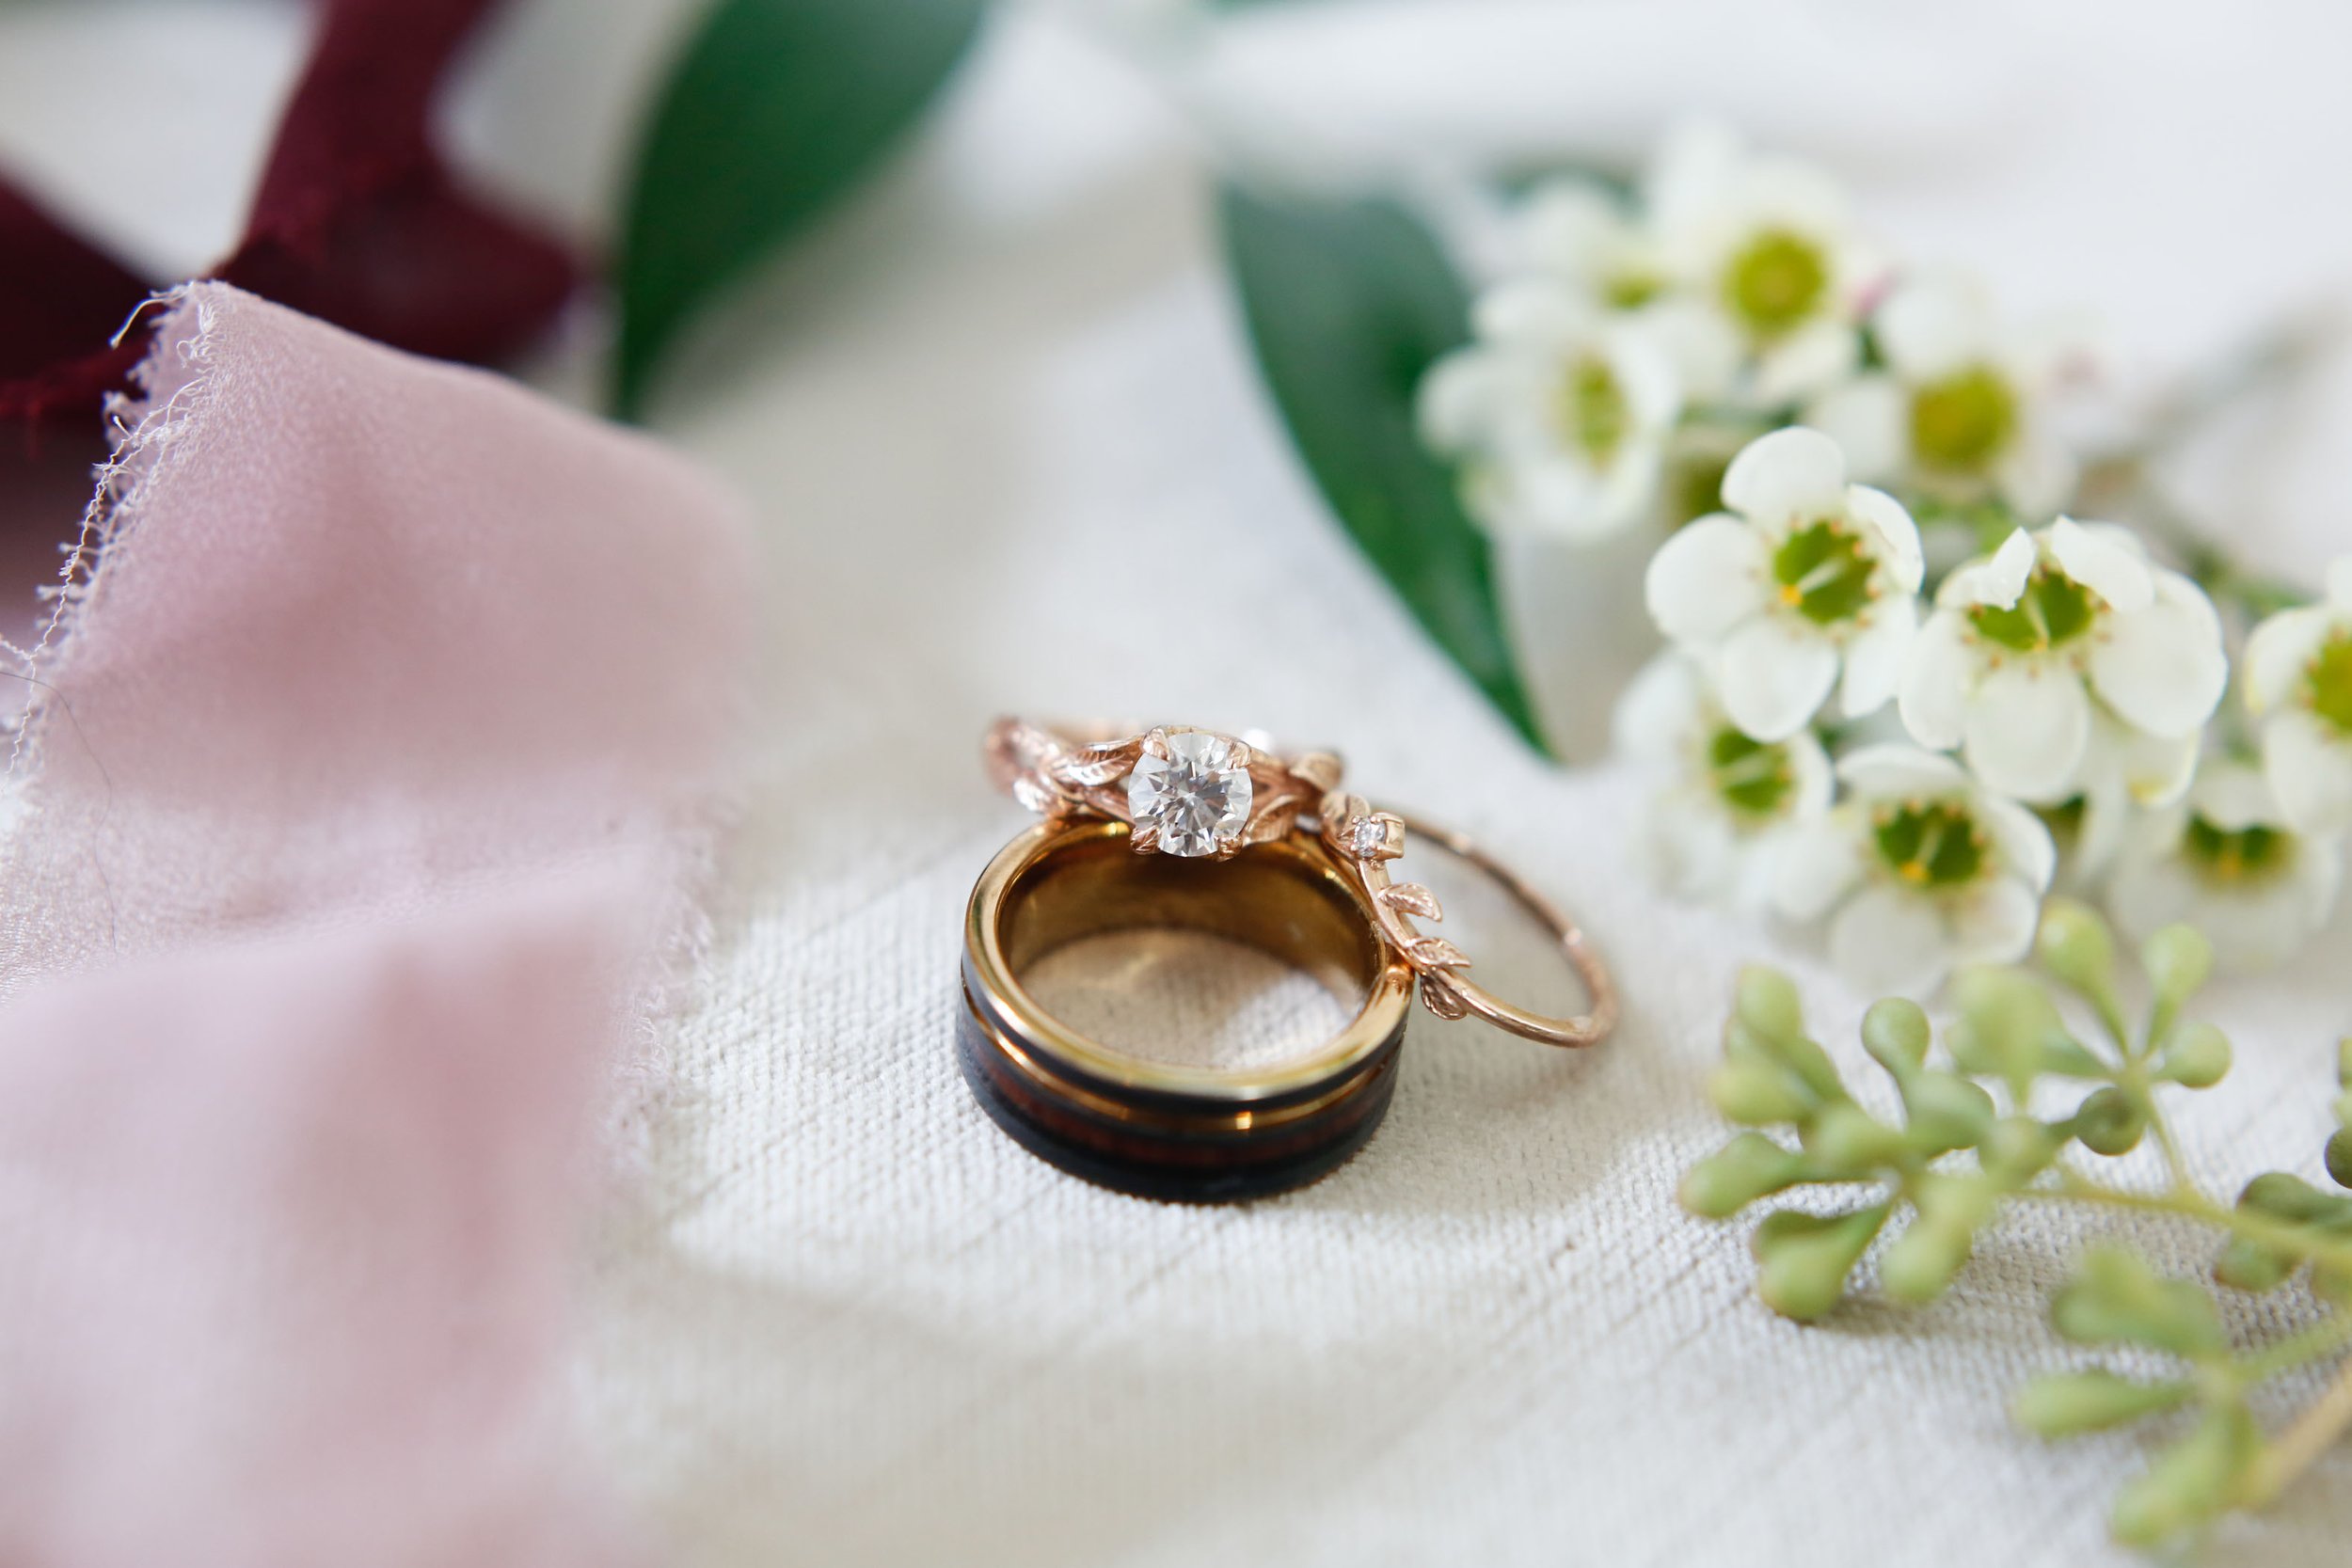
(774, 109)
(1348, 303)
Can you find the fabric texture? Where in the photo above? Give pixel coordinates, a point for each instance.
(1013, 457)
(345, 862)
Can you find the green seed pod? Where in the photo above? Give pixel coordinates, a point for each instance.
(1895, 1032)
(1743, 1042)
(2344, 1061)
(2196, 1058)
(2068, 1057)
(2115, 1298)
(2018, 1149)
(2292, 1198)
(2331, 1284)
(2340, 1157)
(2178, 959)
(1758, 1094)
(2076, 946)
(1967, 1201)
(2006, 1020)
(1846, 1140)
(1945, 1112)
(2248, 1265)
(1766, 1001)
(2110, 1122)
(2063, 1404)
(1919, 1266)
(2192, 1482)
(1806, 1259)
(1750, 1166)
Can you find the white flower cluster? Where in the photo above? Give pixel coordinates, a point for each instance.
(1845, 735)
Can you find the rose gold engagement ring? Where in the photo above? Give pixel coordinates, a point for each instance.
(1197, 793)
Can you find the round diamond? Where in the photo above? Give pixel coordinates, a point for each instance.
(1196, 797)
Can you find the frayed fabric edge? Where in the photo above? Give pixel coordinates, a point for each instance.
(147, 425)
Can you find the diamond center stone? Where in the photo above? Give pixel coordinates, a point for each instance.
(1196, 797)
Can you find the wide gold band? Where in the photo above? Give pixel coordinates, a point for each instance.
(1156, 1128)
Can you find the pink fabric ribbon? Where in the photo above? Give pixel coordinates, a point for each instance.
(352, 824)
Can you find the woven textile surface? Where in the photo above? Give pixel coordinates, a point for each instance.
(843, 1320)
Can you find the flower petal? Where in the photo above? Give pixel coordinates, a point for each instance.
(2309, 772)
(1882, 516)
(1774, 674)
(1934, 327)
(1536, 313)
(2340, 585)
(2147, 769)
(1812, 783)
(1996, 580)
(1705, 578)
(1996, 924)
(1789, 476)
(1812, 359)
(1456, 399)
(1874, 660)
(1866, 417)
(2020, 838)
(1813, 867)
(2235, 795)
(2026, 729)
(1932, 698)
(1571, 227)
(1659, 711)
(1889, 943)
(1893, 769)
(2036, 474)
(2115, 572)
(2278, 652)
(2163, 668)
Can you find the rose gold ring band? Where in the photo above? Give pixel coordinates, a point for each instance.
(1197, 793)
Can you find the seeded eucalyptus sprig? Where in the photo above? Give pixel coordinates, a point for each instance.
(1969, 1140)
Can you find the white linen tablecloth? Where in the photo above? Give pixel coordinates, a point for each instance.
(1004, 436)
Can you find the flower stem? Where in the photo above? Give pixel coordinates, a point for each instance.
(2311, 1435)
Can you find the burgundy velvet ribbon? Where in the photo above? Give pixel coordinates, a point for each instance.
(358, 220)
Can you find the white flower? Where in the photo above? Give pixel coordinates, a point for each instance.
(1813, 575)
(1714, 830)
(1766, 254)
(1919, 870)
(1586, 237)
(1559, 414)
(2297, 673)
(1960, 411)
(2226, 862)
(2030, 648)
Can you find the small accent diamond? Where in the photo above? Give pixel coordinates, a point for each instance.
(1198, 798)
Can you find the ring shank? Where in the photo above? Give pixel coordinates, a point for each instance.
(1158, 1128)
(1599, 1017)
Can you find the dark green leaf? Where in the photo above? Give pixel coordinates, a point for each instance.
(1348, 303)
(774, 109)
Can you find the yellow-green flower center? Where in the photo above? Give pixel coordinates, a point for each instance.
(1775, 282)
(2052, 610)
(1755, 779)
(1593, 411)
(1824, 571)
(1962, 423)
(1631, 287)
(2328, 677)
(2240, 855)
(1930, 844)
